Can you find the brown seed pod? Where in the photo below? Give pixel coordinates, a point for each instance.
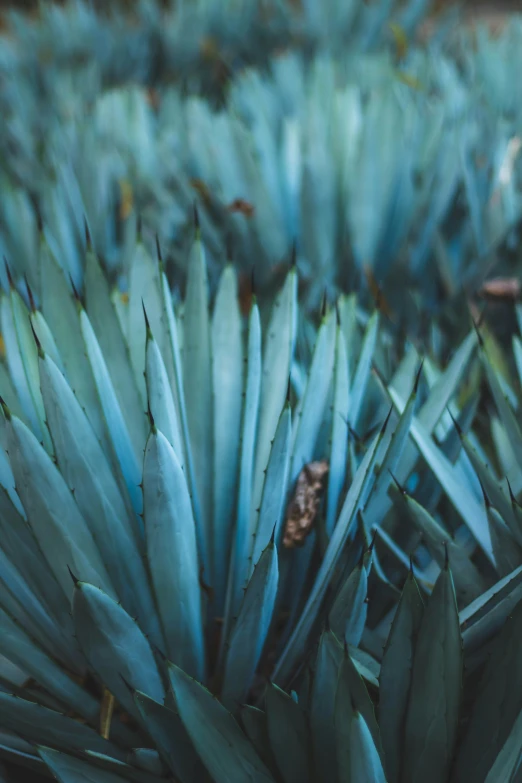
(302, 509)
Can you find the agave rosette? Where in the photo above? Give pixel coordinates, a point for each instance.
(173, 525)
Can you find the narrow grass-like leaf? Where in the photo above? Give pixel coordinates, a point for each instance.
(223, 748)
(435, 694)
(289, 736)
(227, 385)
(170, 534)
(396, 675)
(250, 630)
(114, 646)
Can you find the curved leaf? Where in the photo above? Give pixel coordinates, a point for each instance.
(172, 554)
(250, 629)
(114, 646)
(396, 676)
(435, 694)
(217, 738)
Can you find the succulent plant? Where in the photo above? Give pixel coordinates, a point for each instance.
(281, 562)
(438, 203)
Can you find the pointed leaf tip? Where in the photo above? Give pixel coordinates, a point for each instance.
(487, 501)
(418, 377)
(293, 254)
(88, 240)
(158, 250)
(9, 275)
(147, 322)
(30, 295)
(386, 421)
(37, 213)
(127, 684)
(446, 556)
(75, 290)
(372, 542)
(75, 579)
(38, 343)
(151, 419)
(512, 497)
(7, 412)
(324, 304)
(399, 486)
(455, 423)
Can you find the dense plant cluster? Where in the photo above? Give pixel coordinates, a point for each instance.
(261, 459)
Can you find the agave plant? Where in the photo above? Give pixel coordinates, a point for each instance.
(219, 492)
(297, 160)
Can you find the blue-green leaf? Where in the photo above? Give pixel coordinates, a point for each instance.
(396, 675)
(114, 646)
(365, 763)
(197, 382)
(223, 748)
(170, 737)
(507, 761)
(61, 531)
(289, 735)
(227, 384)
(322, 710)
(277, 361)
(170, 534)
(250, 630)
(497, 705)
(117, 428)
(433, 710)
(89, 476)
(339, 446)
(348, 613)
(40, 724)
